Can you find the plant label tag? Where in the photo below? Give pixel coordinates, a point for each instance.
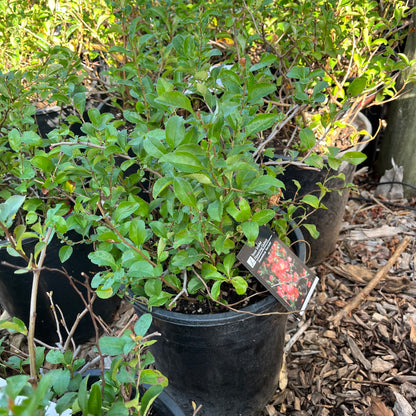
(279, 270)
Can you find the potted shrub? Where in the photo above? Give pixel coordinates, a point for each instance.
(170, 191)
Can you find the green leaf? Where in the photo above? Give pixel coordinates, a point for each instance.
(243, 213)
(104, 293)
(215, 210)
(153, 287)
(60, 380)
(124, 210)
(263, 217)
(149, 397)
(298, 72)
(266, 183)
(250, 230)
(216, 289)
(183, 161)
(111, 345)
(260, 90)
(160, 185)
(9, 208)
(153, 143)
(102, 258)
(357, 86)
(184, 192)
(83, 394)
(118, 409)
(95, 401)
(311, 200)
(42, 163)
(307, 138)
(143, 325)
(137, 232)
(175, 131)
(312, 230)
(185, 258)
(240, 285)
(16, 325)
(194, 284)
(260, 123)
(30, 137)
(15, 139)
(55, 357)
(65, 253)
(266, 60)
(141, 268)
(355, 158)
(175, 99)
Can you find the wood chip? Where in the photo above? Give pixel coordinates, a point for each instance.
(402, 406)
(379, 365)
(381, 232)
(357, 354)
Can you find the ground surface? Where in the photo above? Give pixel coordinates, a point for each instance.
(365, 365)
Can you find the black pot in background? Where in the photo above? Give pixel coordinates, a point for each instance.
(227, 362)
(327, 221)
(15, 291)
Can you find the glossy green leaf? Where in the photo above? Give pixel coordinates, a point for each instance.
(184, 192)
(357, 86)
(312, 230)
(149, 397)
(311, 200)
(160, 185)
(137, 232)
(215, 210)
(175, 131)
(15, 325)
(124, 210)
(175, 99)
(183, 161)
(102, 258)
(65, 253)
(259, 123)
(9, 208)
(260, 90)
(355, 158)
(264, 216)
(250, 230)
(153, 287)
(95, 401)
(240, 285)
(266, 183)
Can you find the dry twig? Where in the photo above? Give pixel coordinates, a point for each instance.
(358, 299)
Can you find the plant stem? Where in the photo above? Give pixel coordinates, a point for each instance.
(32, 315)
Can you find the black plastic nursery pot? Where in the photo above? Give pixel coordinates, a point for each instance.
(327, 221)
(227, 362)
(15, 291)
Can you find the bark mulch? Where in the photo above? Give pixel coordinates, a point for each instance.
(364, 363)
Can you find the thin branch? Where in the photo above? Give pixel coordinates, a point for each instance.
(32, 314)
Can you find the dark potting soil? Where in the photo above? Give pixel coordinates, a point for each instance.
(255, 292)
